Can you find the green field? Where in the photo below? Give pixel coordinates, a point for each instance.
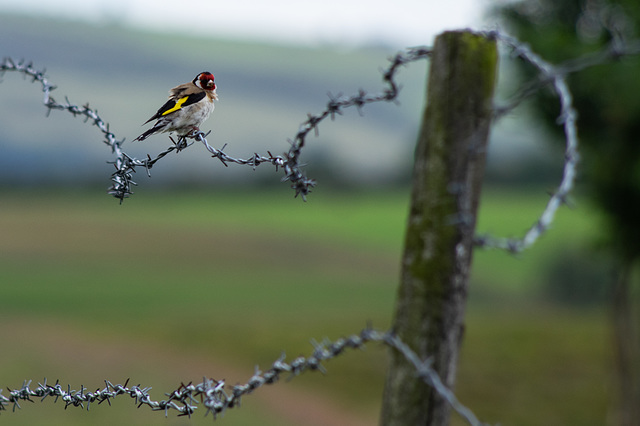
(170, 287)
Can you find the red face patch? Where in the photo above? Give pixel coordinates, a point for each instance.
(207, 81)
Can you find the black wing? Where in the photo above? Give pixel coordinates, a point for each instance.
(173, 105)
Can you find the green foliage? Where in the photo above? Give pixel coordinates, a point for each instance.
(579, 278)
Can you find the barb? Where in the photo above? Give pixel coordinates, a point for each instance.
(217, 398)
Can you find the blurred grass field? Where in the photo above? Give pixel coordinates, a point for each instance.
(172, 286)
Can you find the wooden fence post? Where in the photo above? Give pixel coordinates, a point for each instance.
(447, 177)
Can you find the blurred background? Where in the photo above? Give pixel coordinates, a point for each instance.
(210, 271)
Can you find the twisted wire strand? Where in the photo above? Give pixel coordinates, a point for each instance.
(217, 397)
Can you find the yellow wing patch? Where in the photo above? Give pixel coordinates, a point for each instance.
(177, 106)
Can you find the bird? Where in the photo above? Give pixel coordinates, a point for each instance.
(189, 105)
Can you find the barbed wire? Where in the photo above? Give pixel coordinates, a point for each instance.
(217, 398)
(122, 178)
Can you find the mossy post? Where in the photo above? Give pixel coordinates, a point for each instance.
(447, 177)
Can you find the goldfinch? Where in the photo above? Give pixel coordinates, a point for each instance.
(189, 105)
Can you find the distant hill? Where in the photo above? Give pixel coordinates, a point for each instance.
(265, 92)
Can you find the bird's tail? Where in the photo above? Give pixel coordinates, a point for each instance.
(158, 127)
(145, 135)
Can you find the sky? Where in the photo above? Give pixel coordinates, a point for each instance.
(399, 23)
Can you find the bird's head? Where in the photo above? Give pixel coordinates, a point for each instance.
(205, 81)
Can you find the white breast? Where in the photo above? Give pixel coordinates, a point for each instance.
(191, 116)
